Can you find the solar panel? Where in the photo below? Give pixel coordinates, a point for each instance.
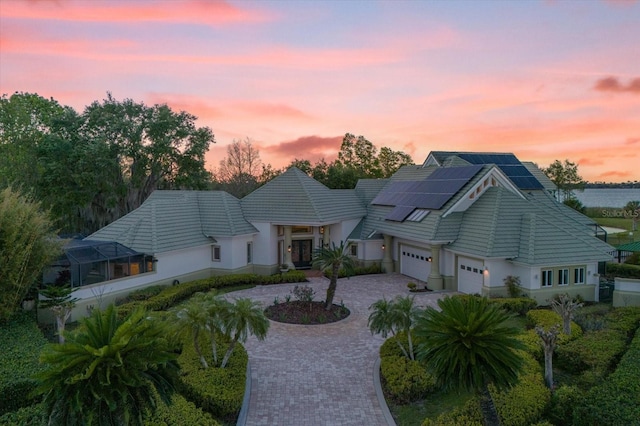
(510, 166)
(431, 193)
(400, 213)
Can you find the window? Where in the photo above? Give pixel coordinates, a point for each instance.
(547, 278)
(215, 253)
(578, 276)
(563, 277)
(249, 252)
(353, 249)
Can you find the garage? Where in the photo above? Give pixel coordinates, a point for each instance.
(470, 275)
(414, 262)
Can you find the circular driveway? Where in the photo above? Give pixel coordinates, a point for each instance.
(321, 374)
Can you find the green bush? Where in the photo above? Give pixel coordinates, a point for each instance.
(22, 342)
(622, 270)
(547, 319)
(626, 319)
(563, 401)
(32, 415)
(525, 402)
(516, 305)
(180, 412)
(634, 259)
(141, 294)
(360, 270)
(172, 295)
(218, 391)
(617, 400)
(467, 415)
(532, 344)
(405, 380)
(597, 350)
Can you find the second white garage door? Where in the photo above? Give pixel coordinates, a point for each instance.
(414, 262)
(470, 275)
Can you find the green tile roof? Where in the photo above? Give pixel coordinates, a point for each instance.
(294, 197)
(172, 220)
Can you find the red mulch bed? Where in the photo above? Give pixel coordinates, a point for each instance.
(297, 312)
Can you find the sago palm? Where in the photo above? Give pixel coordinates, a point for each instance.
(107, 370)
(468, 345)
(333, 259)
(242, 318)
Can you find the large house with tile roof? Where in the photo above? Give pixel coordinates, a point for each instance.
(459, 221)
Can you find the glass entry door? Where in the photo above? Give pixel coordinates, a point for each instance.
(301, 253)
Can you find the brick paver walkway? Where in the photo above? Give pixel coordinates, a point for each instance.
(321, 374)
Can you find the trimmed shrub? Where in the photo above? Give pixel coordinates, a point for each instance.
(468, 415)
(360, 270)
(617, 400)
(525, 402)
(22, 342)
(218, 391)
(597, 350)
(547, 319)
(180, 412)
(622, 270)
(172, 295)
(563, 401)
(516, 305)
(141, 294)
(405, 380)
(32, 415)
(532, 344)
(626, 319)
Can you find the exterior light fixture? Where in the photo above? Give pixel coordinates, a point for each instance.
(322, 229)
(289, 249)
(486, 270)
(383, 247)
(429, 259)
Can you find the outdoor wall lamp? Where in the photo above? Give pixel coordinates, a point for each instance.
(486, 270)
(322, 229)
(429, 259)
(289, 249)
(383, 247)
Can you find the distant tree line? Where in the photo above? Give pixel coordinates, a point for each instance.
(89, 168)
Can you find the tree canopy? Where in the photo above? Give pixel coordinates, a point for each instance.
(565, 176)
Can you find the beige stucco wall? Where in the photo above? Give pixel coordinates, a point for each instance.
(626, 292)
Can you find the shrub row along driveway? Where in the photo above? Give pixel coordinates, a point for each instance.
(321, 374)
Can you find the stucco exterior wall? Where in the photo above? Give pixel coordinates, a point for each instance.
(626, 292)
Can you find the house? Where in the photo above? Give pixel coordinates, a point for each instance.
(460, 221)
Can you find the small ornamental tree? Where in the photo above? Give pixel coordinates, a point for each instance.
(564, 306)
(60, 302)
(397, 315)
(242, 318)
(548, 339)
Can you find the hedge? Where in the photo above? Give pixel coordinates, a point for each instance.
(625, 319)
(516, 305)
(547, 319)
(563, 401)
(218, 391)
(622, 270)
(405, 380)
(617, 400)
(179, 412)
(360, 270)
(22, 342)
(521, 405)
(175, 294)
(597, 350)
(33, 415)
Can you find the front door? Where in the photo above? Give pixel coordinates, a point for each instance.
(301, 251)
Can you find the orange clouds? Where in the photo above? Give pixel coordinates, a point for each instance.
(612, 84)
(198, 12)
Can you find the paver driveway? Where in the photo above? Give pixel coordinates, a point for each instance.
(321, 374)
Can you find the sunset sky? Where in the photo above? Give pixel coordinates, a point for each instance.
(543, 79)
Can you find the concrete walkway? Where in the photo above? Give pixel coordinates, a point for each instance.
(321, 374)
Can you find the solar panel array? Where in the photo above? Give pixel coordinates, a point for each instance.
(431, 193)
(510, 166)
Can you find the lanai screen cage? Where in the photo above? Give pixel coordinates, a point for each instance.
(87, 262)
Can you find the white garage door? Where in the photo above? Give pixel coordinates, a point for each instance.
(414, 262)
(470, 275)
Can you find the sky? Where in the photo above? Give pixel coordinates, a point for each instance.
(544, 79)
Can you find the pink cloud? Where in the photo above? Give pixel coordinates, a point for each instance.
(632, 141)
(613, 84)
(193, 12)
(312, 148)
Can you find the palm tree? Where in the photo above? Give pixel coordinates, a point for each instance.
(467, 345)
(242, 318)
(191, 318)
(108, 371)
(392, 317)
(334, 259)
(217, 310)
